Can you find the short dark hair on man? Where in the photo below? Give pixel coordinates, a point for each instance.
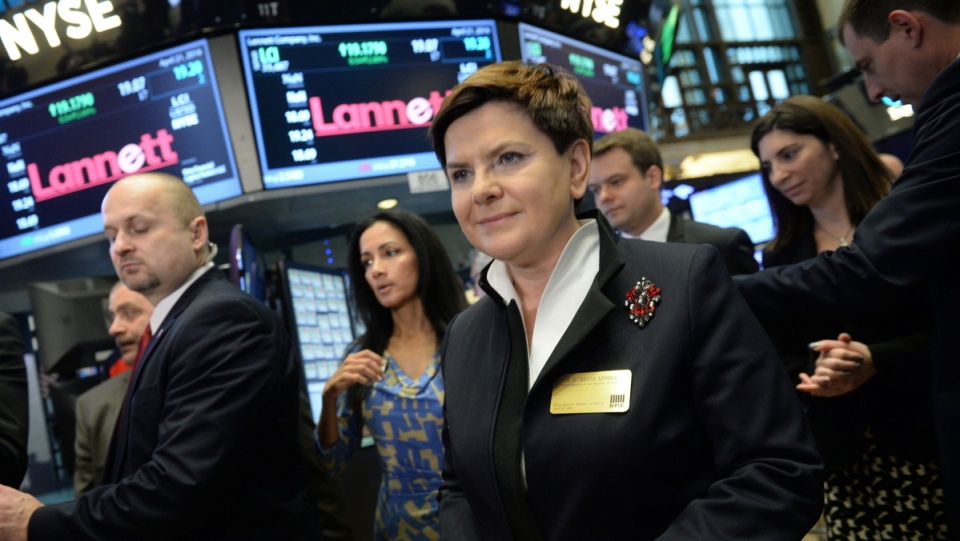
(868, 18)
(438, 285)
(554, 99)
(641, 147)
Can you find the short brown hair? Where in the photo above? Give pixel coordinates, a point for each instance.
(868, 18)
(554, 99)
(637, 143)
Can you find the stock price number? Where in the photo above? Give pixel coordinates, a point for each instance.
(71, 105)
(422, 46)
(477, 43)
(132, 86)
(297, 116)
(535, 48)
(28, 222)
(194, 68)
(353, 49)
(19, 185)
(301, 136)
(304, 154)
(22, 204)
(583, 65)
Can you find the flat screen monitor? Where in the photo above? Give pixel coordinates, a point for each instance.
(878, 120)
(739, 203)
(337, 103)
(62, 146)
(70, 322)
(317, 312)
(613, 81)
(245, 268)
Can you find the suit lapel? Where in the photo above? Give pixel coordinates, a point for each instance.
(508, 433)
(595, 306)
(676, 233)
(117, 453)
(168, 322)
(116, 456)
(151, 345)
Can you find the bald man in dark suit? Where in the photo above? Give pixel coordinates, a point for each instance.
(207, 443)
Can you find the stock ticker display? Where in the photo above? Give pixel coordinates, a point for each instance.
(614, 82)
(346, 102)
(65, 144)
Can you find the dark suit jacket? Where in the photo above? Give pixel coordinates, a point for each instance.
(896, 403)
(208, 448)
(14, 413)
(96, 414)
(911, 238)
(714, 445)
(734, 244)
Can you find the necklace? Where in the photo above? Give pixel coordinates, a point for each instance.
(843, 239)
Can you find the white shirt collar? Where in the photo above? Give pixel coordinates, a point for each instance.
(657, 231)
(566, 289)
(163, 307)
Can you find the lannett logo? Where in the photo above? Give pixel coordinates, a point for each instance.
(153, 152)
(17, 34)
(608, 120)
(375, 116)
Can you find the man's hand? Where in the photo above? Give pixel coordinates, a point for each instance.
(15, 510)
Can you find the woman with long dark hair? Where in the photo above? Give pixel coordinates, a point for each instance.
(406, 292)
(870, 398)
(839, 179)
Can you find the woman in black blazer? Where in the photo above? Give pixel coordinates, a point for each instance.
(603, 389)
(869, 401)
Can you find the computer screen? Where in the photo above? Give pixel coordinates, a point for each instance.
(878, 120)
(65, 144)
(613, 81)
(70, 322)
(317, 312)
(739, 203)
(348, 102)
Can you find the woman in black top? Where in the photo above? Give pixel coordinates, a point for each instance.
(869, 405)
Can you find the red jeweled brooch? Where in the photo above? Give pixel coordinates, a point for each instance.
(642, 300)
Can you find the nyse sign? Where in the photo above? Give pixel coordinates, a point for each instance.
(26, 31)
(605, 12)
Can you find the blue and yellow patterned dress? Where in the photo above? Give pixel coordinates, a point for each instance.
(405, 417)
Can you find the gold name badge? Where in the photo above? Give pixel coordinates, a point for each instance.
(592, 392)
